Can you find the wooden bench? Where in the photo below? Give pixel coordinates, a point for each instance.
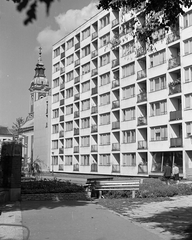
(94, 180)
(126, 184)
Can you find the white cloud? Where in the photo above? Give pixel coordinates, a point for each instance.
(66, 22)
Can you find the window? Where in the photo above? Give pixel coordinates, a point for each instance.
(85, 160)
(187, 18)
(69, 76)
(69, 126)
(128, 92)
(159, 133)
(104, 159)
(68, 160)
(85, 86)
(55, 113)
(188, 74)
(105, 59)
(55, 160)
(188, 46)
(85, 141)
(69, 109)
(86, 68)
(188, 129)
(127, 48)
(158, 83)
(68, 142)
(70, 43)
(104, 40)
(86, 51)
(104, 99)
(127, 27)
(55, 128)
(157, 58)
(86, 104)
(105, 21)
(128, 70)
(105, 139)
(55, 82)
(86, 33)
(105, 119)
(55, 97)
(55, 144)
(105, 79)
(129, 114)
(129, 136)
(85, 123)
(70, 59)
(56, 52)
(188, 101)
(56, 67)
(159, 108)
(69, 92)
(129, 159)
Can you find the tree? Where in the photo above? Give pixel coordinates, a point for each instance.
(16, 127)
(158, 14)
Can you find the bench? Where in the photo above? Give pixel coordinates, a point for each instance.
(94, 180)
(127, 184)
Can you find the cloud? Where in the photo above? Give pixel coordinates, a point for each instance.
(66, 22)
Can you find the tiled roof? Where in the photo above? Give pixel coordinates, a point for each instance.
(5, 131)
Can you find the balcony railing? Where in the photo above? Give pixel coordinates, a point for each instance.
(94, 109)
(62, 70)
(115, 83)
(176, 142)
(142, 169)
(115, 104)
(76, 149)
(76, 167)
(94, 72)
(77, 45)
(61, 118)
(142, 144)
(62, 102)
(115, 168)
(94, 91)
(115, 22)
(94, 53)
(76, 114)
(174, 62)
(77, 79)
(61, 133)
(172, 37)
(142, 97)
(175, 115)
(76, 96)
(173, 89)
(116, 125)
(142, 121)
(115, 146)
(94, 128)
(115, 63)
(62, 54)
(94, 148)
(94, 35)
(76, 131)
(94, 167)
(140, 51)
(77, 62)
(141, 74)
(62, 86)
(61, 150)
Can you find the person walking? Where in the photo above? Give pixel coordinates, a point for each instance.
(167, 173)
(176, 173)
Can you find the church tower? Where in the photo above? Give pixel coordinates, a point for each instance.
(39, 86)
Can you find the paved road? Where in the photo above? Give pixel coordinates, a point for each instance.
(78, 220)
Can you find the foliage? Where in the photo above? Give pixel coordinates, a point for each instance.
(50, 186)
(16, 127)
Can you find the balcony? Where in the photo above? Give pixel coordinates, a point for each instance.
(94, 109)
(115, 146)
(115, 63)
(77, 79)
(76, 96)
(172, 37)
(176, 142)
(115, 104)
(94, 128)
(77, 45)
(142, 144)
(116, 125)
(94, 35)
(114, 23)
(61, 133)
(142, 121)
(174, 62)
(142, 97)
(94, 91)
(77, 62)
(175, 115)
(94, 53)
(94, 72)
(62, 54)
(142, 169)
(76, 131)
(115, 168)
(76, 167)
(62, 86)
(94, 148)
(94, 167)
(61, 118)
(62, 70)
(174, 87)
(141, 74)
(61, 150)
(115, 83)
(76, 114)
(62, 102)
(140, 51)
(76, 149)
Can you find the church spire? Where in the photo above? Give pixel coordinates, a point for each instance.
(40, 69)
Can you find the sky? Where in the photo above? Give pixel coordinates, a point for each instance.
(19, 49)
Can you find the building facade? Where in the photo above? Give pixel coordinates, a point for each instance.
(118, 107)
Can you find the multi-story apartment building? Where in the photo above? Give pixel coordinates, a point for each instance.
(117, 107)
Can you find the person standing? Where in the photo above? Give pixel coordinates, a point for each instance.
(167, 173)
(176, 173)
